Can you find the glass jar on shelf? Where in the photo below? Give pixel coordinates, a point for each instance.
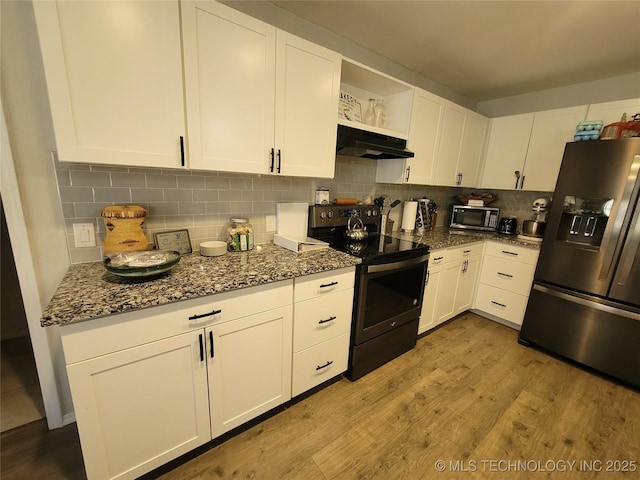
(380, 113)
(239, 235)
(370, 114)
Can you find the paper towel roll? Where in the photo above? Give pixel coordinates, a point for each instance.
(409, 216)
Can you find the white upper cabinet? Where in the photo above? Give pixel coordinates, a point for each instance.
(307, 95)
(259, 100)
(610, 112)
(472, 149)
(364, 83)
(461, 147)
(506, 151)
(229, 62)
(424, 133)
(114, 78)
(552, 129)
(525, 151)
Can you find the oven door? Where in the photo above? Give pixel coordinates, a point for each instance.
(388, 296)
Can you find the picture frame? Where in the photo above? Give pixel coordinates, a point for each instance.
(177, 240)
(350, 107)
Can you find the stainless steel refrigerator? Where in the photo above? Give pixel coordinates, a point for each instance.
(585, 300)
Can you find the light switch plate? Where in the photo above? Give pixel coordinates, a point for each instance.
(271, 223)
(84, 235)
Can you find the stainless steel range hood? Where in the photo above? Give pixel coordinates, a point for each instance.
(353, 142)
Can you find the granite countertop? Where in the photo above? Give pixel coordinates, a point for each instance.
(443, 237)
(88, 291)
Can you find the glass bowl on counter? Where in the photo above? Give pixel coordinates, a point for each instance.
(141, 264)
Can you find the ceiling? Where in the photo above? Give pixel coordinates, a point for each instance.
(490, 49)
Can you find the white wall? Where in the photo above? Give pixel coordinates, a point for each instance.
(31, 139)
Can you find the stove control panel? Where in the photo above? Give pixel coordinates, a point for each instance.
(338, 215)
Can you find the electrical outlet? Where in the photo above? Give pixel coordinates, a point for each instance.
(271, 223)
(84, 235)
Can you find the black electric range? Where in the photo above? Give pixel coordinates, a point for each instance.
(389, 285)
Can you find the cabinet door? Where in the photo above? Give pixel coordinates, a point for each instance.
(506, 151)
(426, 120)
(446, 295)
(229, 62)
(446, 168)
(429, 299)
(249, 367)
(115, 87)
(307, 96)
(472, 149)
(610, 112)
(141, 407)
(467, 281)
(552, 129)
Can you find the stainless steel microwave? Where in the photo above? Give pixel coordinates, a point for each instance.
(475, 218)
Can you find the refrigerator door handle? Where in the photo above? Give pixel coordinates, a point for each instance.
(588, 303)
(629, 253)
(610, 245)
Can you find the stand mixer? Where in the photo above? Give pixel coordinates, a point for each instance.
(533, 230)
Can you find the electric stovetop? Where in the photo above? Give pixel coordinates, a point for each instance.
(377, 248)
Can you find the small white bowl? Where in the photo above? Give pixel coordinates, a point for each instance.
(213, 249)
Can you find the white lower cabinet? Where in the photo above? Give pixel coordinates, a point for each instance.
(505, 281)
(150, 385)
(250, 367)
(451, 281)
(138, 408)
(321, 327)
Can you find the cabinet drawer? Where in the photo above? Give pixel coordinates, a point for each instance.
(512, 252)
(438, 257)
(97, 337)
(503, 273)
(312, 366)
(463, 252)
(324, 283)
(501, 303)
(322, 318)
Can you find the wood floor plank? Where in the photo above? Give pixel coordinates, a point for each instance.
(467, 392)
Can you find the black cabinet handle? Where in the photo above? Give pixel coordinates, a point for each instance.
(328, 284)
(437, 259)
(499, 304)
(181, 150)
(521, 182)
(196, 317)
(279, 161)
(320, 367)
(505, 275)
(330, 319)
(201, 348)
(408, 173)
(510, 253)
(211, 341)
(272, 159)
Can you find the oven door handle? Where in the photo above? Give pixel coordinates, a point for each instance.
(397, 265)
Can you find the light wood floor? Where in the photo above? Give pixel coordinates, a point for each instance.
(468, 395)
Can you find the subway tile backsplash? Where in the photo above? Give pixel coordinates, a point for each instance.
(202, 202)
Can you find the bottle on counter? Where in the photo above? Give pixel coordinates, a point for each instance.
(239, 235)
